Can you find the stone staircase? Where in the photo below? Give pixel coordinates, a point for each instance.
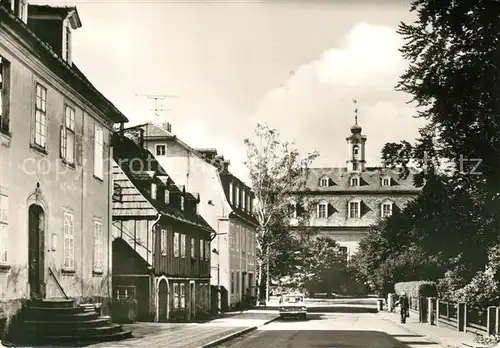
(62, 323)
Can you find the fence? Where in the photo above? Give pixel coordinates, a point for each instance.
(457, 316)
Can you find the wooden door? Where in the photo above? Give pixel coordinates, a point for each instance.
(36, 250)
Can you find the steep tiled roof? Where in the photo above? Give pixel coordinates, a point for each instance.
(371, 180)
(142, 169)
(226, 178)
(152, 130)
(68, 73)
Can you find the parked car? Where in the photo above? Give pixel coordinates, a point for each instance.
(293, 306)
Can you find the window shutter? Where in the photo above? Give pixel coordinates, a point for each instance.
(78, 148)
(105, 155)
(62, 139)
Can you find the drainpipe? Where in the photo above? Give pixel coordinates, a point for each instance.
(156, 295)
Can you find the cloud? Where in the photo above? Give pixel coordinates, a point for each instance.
(314, 107)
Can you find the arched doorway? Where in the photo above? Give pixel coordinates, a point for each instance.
(162, 300)
(36, 246)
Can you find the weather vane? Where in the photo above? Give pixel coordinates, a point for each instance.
(355, 111)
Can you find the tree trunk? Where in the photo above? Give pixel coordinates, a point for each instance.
(259, 279)
(267, 276)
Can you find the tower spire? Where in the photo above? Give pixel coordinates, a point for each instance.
(355, 111)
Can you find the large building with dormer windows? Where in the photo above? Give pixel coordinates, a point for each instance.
(347, 200)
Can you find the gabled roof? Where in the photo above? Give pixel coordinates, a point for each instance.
(226, 178)
(61, 11)
(370, 180)
(136, 163)
(71, 74)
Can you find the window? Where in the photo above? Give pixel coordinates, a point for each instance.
(164, 242)
(232, 283)
(153, 191)
(176, 244)
(386, 181)
(355, 166)
(176, 295)
(68, 135)
(98, 247)
(354, 209)
(248, 202)
(183, 245)
(193, 248)
(4, 94)
(183, 296)
(67, 44)
(237, 282)
(386, 209)
(322, 210)
(355, 181)
(125, 292)
(182, 203)
(244, 200)
(19, 8)
(207, 250)
(41, 116)
(323, 182)
(98, 152)
(355, 152)
(231, 192)
(4, 231)
(160, 150)
(69, 242)
(202, 249)
(237, 237)
(237, 196)
(167, 197)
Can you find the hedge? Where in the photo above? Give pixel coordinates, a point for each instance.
(417, 288)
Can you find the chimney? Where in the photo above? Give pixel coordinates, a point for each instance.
(225, 166)
(167, 126)
(55, 26)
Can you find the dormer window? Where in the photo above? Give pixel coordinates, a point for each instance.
(386, 209)
(244, 200)
(167, 196)
(322, 210)
(182, 202)
(324, 182)
(153, 191)
(231, 192)
(20, 9)
(66, 42)
(354, 209)
(237, 196)
(386, 181)
(354, 181)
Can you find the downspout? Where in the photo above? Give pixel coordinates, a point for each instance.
(82, 218)
(156, 287)
(110, 217)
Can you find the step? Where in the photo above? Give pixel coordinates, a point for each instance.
(55, 311)
(45, 324)
(52, 303)
(79, 332)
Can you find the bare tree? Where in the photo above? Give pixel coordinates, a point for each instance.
(278, 175)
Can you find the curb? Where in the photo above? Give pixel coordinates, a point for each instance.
(235, 334)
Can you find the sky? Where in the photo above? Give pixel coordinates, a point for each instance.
(228, 65)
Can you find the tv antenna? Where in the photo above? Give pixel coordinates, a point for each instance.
(157, 97)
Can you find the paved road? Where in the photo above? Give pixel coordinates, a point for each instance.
(332, 330)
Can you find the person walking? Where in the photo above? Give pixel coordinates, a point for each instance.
(404, 307)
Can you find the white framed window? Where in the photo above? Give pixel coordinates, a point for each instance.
(154, 192)
(4, 229)
(207, 250)
(67, 44)
(98, 152)
(125, 292)
(231, 192)
(386, 209)
(355, 152)
(355, 181)
(98, 247)
(324, 182)
(183, 296)
(244, 200)
(68, 143)
(167, 197)
(183, 245)
(237, 196)
(160, 150)
(4, 94)
(386, 181)
(193, 248)
(20, 9)
(69, 242)
(176, 244)
(164, 242)
(322, 210)
(354, 209)
(176, 296)
(202, 249)
(41, 116)
(182, 203)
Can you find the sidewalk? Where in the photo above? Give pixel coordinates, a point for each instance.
(446, 336)
(192, 335)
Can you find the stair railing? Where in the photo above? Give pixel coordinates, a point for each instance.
(57, 282)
